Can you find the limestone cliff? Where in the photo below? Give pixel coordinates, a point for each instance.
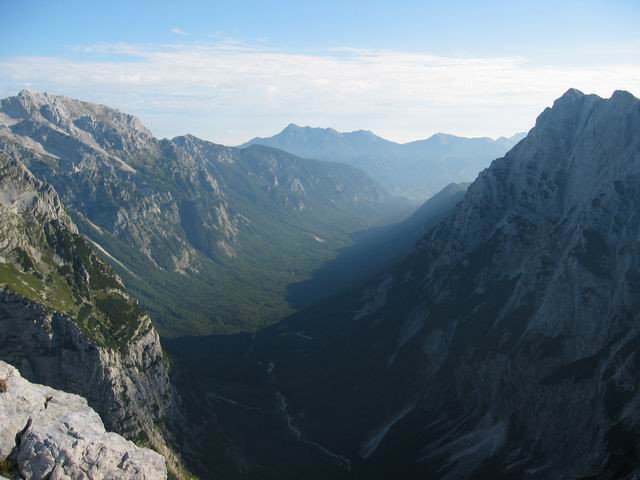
(66, 319)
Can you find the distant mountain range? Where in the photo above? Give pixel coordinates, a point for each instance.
(207, 236)
(415, 170)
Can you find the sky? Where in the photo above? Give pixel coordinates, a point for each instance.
(227, 71)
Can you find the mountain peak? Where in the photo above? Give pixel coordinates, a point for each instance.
(623, 96)
(442, 136)
(295, 128)
(26, 93)
(574, 109)
(570, 96)
(26, 103)
(572, 93)
(62, 110)
(568, 99)
(565, 112)
(364, 133)
(96, 125)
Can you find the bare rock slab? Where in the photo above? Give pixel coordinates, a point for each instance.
(47, 433)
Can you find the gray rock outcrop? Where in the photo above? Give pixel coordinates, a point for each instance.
(47, 433)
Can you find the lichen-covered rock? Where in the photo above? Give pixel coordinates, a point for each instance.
(48, 433)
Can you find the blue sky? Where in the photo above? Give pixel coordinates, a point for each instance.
(227, 71)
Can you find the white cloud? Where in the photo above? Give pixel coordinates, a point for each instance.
(179, 31)
(210, 89)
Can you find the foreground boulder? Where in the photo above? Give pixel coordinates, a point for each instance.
(47, 433)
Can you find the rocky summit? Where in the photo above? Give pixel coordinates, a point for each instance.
(47, 433)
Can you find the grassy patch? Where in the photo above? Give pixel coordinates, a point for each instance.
(6, 468)
(53, 292)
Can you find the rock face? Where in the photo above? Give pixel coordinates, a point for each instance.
(47, 433)
(180, 218)
(129, 387)
(507, 345)
(66, 319)
(416, 170)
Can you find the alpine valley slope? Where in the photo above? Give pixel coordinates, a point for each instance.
(416, 170)
(506, 346)
(67, 321)
(232, 397)
(375, 250)
(207, 237)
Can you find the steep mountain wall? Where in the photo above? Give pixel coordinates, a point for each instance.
(66, 319)
(507, 345)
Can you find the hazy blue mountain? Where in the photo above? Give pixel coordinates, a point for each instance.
(415, 170)
(505, 346)
(208, 237)
(326, 143)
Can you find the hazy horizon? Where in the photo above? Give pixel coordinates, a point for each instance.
(231, 72)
